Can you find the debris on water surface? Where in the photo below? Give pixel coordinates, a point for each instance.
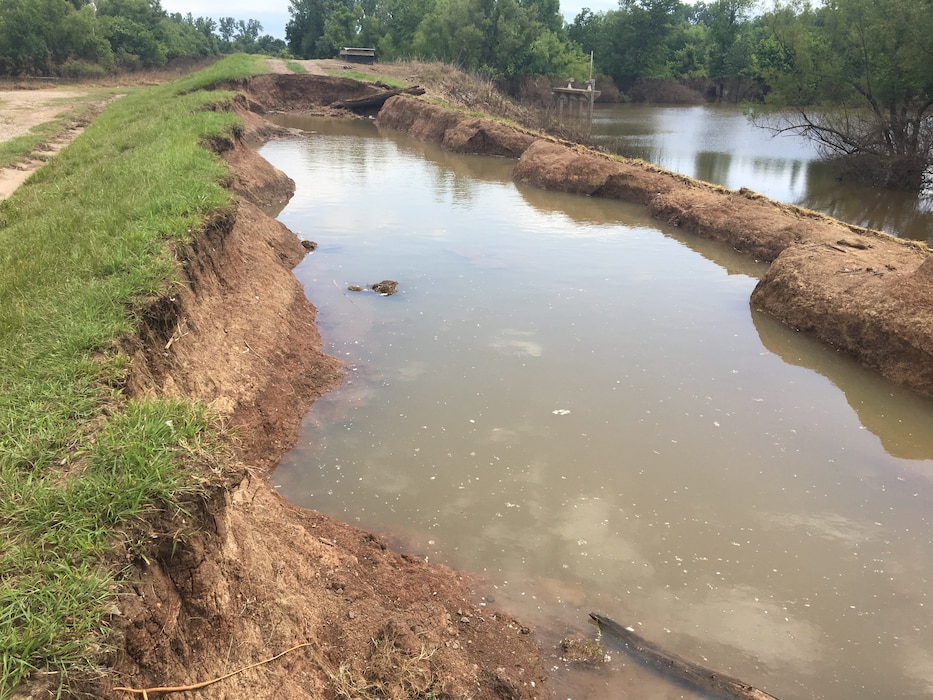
(560, 411)
(385, 288)
(582, 651)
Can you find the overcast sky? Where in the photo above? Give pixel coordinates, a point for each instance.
(273, 14)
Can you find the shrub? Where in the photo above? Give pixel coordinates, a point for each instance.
(78, 69)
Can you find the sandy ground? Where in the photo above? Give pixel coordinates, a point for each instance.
(20, 111)
(279, 66)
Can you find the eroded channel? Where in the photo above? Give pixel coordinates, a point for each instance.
(579, 404)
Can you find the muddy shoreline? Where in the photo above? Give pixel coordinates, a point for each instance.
(246, 575)
(254, 576)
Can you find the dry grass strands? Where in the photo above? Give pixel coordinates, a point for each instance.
(394, 671)
(163, 690)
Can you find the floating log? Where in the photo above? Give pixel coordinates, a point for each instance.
(376, 101)
(699, 677)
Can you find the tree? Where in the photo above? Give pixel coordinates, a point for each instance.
(226, 27)
(247, 34)
(457, 31)
(28, 30)
(341, 28)
(135, 32)
(556, 58)
(635, 38)
(399, 20)
(306, 26)
(856, 78)
(80, 36)
(729, 56)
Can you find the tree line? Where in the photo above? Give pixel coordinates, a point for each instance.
(80, 38)
(854, 75)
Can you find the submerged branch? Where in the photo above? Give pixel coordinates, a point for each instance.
(687, 672)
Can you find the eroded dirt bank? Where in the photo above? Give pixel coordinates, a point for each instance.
(867, 293)
(252, 576)
(246, 575)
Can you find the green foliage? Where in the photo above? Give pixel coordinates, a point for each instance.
(28, 31)
(634, 41)
(306, 27)
(84, 245)
(725, 19)
(857, 75)
(501, 38)
(59, 37)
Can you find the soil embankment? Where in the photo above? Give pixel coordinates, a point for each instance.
(866, 293)
(255, 576)
(252, 576)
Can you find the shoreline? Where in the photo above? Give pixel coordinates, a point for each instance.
(778, 232)
(259, 575)
(243, 575)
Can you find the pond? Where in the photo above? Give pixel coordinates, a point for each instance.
(579, 404)
(718, 144)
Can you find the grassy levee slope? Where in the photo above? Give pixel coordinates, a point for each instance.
(84, 244)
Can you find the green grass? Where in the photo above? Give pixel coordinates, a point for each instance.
(295, 67)
(85, 244)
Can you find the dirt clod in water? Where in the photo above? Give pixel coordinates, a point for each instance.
(385, 288)
(582, 651)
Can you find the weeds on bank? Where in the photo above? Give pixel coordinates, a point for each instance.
(391, 672)
(84, 244)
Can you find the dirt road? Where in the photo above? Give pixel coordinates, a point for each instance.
(23, 110)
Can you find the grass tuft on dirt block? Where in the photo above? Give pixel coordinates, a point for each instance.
(85, 244)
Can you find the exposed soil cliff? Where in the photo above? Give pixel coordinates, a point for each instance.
(253, 576)
(246, 575)
(867, 293)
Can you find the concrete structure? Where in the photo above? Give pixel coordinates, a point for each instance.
(576, 102)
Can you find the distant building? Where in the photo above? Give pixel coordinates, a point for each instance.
(357, 55)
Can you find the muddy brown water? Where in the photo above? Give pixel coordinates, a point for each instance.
(578, 403)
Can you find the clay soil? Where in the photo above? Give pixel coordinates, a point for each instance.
(247, 575)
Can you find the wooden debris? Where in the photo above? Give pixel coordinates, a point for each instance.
(686, 672)
(374, 102)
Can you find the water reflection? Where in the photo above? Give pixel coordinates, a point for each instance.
(897, 416)
(716, 143)
(575, 403)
